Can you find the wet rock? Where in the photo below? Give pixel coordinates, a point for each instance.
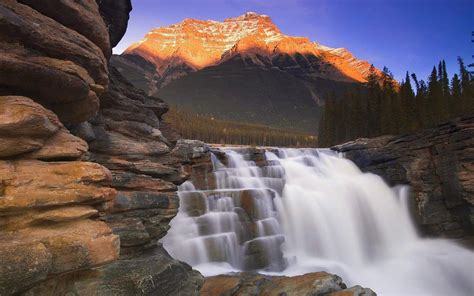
(354, 291)
(317, 283)
(154, 272)
(249, 199)
(436, 163)
(264, 253)
(193, 203)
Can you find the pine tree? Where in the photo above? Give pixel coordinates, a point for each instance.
(440, 71)
(329, 125)
(372, 78)
(467, 92)
(410, 117)
(456, 104)
(436, 109)
(445, 81)
(390, 111)
(417, 84)
(359, 116)
(373, 102)
(423, 103)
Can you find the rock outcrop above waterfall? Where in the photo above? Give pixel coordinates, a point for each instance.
(262, 75)
(437, 163)
(318, 283)
(88, 172)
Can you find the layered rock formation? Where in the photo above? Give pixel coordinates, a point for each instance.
(53, 69)
(318, 283)
(437, 163)
(68, 223)
(65, 70)
(48, 199)
(242, 69)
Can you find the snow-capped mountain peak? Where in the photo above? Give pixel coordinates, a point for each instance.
(192, 44)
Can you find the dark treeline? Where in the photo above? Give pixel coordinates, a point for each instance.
(210, 130)
(385, 107)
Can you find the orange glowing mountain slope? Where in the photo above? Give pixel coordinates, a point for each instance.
(245, 62)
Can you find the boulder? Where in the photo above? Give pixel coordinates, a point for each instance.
(310, 284)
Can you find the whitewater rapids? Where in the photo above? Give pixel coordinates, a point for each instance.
(323, 214)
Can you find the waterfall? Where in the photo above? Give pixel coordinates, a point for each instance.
(296, 211)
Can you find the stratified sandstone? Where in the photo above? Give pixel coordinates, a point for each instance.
(31, 131)
(437, 163)
(146, 167)
(58, 217)
(80, 16)
(52, 71)
(51, 62)
(115, 14)
(45, 207)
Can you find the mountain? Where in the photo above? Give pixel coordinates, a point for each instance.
(241, 69)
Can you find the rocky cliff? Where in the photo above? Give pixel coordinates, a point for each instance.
(437, 163)
(88, 172)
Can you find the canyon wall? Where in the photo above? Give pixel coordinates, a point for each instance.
(438, 163)
(88, 172)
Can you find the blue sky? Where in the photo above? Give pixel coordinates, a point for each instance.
(403, 35)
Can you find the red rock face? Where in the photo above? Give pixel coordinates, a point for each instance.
(195, 44)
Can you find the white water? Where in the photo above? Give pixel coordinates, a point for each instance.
(331, 217)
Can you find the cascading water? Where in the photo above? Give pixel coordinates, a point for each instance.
(307, 210)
